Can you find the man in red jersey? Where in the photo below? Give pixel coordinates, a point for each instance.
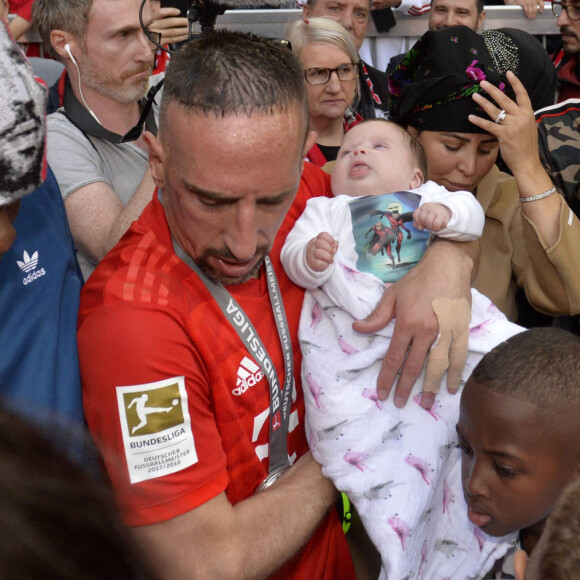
(188, 331)
(183, 394)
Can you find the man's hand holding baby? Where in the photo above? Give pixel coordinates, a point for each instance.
(431, 216)
(320, 252)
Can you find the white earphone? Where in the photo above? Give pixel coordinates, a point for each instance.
(68, 50)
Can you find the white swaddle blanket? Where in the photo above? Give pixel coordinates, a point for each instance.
(400, 467)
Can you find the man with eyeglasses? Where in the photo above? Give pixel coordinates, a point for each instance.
(97, 153)
(566, 59)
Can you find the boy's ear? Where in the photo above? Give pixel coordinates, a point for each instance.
(418, 179)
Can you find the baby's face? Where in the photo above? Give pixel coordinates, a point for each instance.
(374, 158)
(513, 466)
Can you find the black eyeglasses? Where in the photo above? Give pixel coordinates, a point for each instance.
(154, 38)
(572, 10)
(320, 76)
(136, 131)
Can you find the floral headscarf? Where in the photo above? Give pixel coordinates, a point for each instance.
(431, 88)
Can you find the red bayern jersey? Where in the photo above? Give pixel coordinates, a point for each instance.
(175, 402)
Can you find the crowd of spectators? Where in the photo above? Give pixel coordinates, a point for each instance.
(151, 354)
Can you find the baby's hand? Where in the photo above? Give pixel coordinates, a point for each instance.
(431, 216)
(320, 252)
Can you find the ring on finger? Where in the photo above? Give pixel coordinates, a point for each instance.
(501, 117)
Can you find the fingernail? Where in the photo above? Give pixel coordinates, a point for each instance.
(399, 402)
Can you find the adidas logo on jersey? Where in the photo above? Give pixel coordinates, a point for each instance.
(28, 265)
(249, 374)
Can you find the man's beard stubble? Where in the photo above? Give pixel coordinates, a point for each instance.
(225, 254)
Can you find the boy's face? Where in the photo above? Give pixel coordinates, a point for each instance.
(514, 465)
(374, 158)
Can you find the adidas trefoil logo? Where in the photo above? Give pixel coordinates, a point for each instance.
(28, 265)
(249, 374)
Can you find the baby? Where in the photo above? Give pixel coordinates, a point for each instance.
(376, 157)
(399, 466)
(518, 431)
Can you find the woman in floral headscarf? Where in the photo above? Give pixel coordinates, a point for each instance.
(452, 91)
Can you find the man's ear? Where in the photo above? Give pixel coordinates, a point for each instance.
(480, 20)
(58, 40)
(310, 141)
(155, 158)
(418, 178)
(306, 11)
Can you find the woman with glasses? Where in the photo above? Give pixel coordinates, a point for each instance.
(330, 63)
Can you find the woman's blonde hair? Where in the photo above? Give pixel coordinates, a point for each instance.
(301, 33)
(320, 30)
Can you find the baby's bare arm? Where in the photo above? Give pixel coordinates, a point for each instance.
(320, 252)
(432, 217)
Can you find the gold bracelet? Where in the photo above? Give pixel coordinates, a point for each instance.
(539, 196)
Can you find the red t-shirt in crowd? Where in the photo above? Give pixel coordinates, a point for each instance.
(23, 8)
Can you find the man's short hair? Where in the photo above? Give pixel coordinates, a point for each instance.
(479, 6)
(68, 15)
(234, 73)
(540, 366)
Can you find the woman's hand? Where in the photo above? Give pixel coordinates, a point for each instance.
(518, 141)
(168, 23)
(517, 133)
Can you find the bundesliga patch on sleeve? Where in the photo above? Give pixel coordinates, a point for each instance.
(156, 429)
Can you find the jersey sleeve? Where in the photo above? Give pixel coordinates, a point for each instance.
(128, 351)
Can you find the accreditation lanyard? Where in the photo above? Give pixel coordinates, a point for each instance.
(280, 398)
